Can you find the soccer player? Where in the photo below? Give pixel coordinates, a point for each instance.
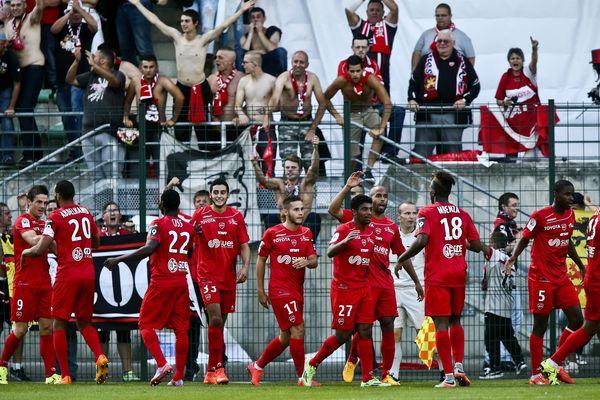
(549, 285)
(591, 284)
(223, 236)
(351, 248)
(75, 232)
(445, 231)
(166, 302)
(32, 293)
(387, 238)
(290, 250)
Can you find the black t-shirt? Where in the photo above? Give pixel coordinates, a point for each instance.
(9, 70)
(64, 44)
(102, 104)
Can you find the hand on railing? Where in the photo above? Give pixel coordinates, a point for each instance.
(169, 123)
(376, 132)
(460, 104)
(127, 122)
(413, 106)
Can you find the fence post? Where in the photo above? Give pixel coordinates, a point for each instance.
(551, 180)
(347, 146)
(142, 190)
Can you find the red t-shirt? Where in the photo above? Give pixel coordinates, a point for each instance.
(592, 273)
(105, 232)
(551, 234)
(449, 228)
(36, 272)
(386, 237)
(520, 86)
(219, 245)
(72, 227)
(283, 246)
(351, 265)
(169, 263)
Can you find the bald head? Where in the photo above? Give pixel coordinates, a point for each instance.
(255, 57)
(225, 59)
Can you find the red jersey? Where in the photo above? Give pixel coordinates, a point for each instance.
(169, 263)
(386, 237)
(105, 232)
(219, 245)
(592, 273)
(522, 87)
(351, 265)
(36, 272)
(192, 261)
(551, 234)
(283, 246)
(72, 227)
(449, 228)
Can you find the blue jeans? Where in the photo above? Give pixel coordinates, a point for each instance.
(7, 137)
(32, 79)
(395, 131)
(133, 30)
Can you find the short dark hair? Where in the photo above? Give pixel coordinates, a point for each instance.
(148, 57)
(289, 200)
(108, 204)
(257, 9)
(375, 1)
(169, 199)
(562, 184)
(446, 6)
(504, 198)
(517, 51)
(293, 158)
(219, 181)
(442, 182)
(354, 60)
(358, 200)
(193, 14)
(107, 52)
(500, 238)
(36, 190)
(65, 189)
(359, 36)
(201, 193)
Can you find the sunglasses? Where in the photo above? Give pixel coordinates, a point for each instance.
(444, 41)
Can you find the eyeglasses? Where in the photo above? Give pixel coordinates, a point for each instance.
(112, 210)
(444, 41)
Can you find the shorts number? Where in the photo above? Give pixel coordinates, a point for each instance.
(541, 295)
(452, 230)
(290, 305)
(345, 310)
(85, 228)
(591, 231)
(183, 247)
(20, 304)
(209, 289)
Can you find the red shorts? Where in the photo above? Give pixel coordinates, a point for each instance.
(73, 296)
(444, 301)
(384, 300)
(30, 304)
(546, 296)
(351, 307)
(165, 307)
(211, 294)
(592, 307)
(288, 311)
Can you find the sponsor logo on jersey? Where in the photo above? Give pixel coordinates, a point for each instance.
(591, 250)
(358, 260)
(77, 254)
(25, 223)
(153, 230)
(558, 242)
(334, 238)
(287, 259)
(177, 266)
(531, 224)
(216, 243)
(381, 250)
(420, 222)
(452, 250)
(233, 221)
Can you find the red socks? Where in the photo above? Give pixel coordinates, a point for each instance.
(60, 347)
(12, 341)
(215, 347)
(329, 346)
(442, 345)
(536, 350)
(47, 353)
(297, 352)
(575, 341)
(271, 352)
(182, 344)
(388, 351)
(150, 339)
(90, 335)
(365, 352)
(457, 338)
(564, 336)
(353, 357)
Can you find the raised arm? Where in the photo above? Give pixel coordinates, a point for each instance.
(35, 16)
(313, 170)
(534, 55)
(215, 33)
(154, 20)
(351, 15)
(274, 184)
(87, 17)
(335, 208)
(392, 16)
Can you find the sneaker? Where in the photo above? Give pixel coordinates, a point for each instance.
(160, 374)
(210, 378)
(572, 368)
(390, 379)
(308, 374)
(368, 176)
(348, 373)
(488, 373)
(19, 374)
(65, 380)
(374, 382)
(520, 367)
(540, 379)
(101, 369)
(255, 374)
(460, 376)
(221, 376)
(313, 384)
(563, 376)
(3, 376)
(446, 383)
(53, 379)
(129, 376)
(178, 382)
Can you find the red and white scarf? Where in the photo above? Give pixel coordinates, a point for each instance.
(433, 46)
(378, 36)
(146, 95)
(300, 95)
(221, 98)
(358, 86)
(431, 77)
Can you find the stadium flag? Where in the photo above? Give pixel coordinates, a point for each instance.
(196, 169)
(507, 133)
(426, 341)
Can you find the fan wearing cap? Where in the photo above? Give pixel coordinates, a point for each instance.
(594, 93)
(10, 87)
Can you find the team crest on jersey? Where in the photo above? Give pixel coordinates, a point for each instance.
(420, 222)
(364, 242)
(292, 318)
(378, 231)
(208, 296)
(25, 223)
(77, 254)
(531, 224)
(172, 265)
(294, 242)
(341, 321)
(334, 238)
(563, 227)
(221, 225)
(540, 306)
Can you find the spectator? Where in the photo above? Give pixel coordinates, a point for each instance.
(442, 78)
(443, 18)
(24, 33)
(517, 91)
(49, 16)
(266, 42)
(190, 50)
(105, 93)
(359, 88)
(201, 199)
(294, 185)
(10, 87)
(133, 30)
(90, 7)
(75, 29)
(152, 90)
